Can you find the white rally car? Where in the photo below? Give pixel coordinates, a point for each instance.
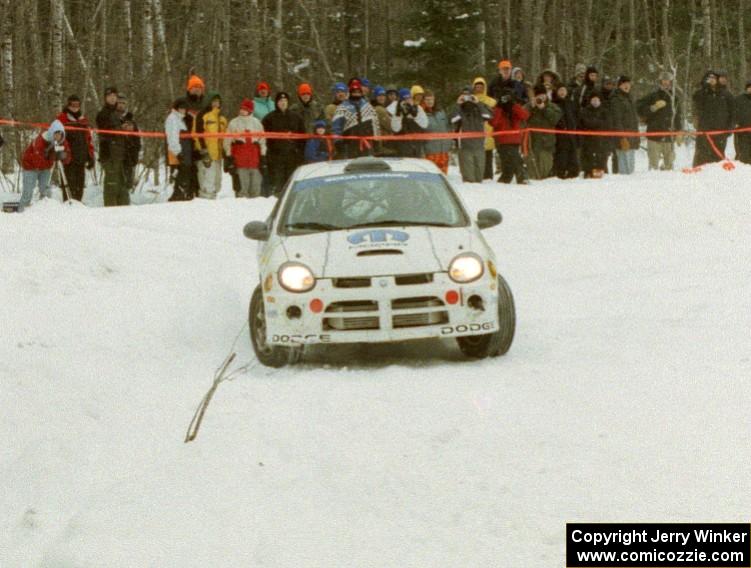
(375, 250)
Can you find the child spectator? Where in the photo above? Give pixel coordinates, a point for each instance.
(318, 149)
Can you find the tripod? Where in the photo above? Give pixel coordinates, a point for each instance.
(64, 182)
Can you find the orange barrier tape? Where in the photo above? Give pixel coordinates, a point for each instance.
(391, 137)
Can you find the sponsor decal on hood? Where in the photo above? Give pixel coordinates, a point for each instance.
(378, 237)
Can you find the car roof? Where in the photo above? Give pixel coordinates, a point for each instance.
(365, 164)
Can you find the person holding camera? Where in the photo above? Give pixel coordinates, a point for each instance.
(507, 121)
(38, 160)
(470, 116)
(408, 118)
(542, 114)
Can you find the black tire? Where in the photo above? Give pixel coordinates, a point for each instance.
(498, 343)
(269, 355)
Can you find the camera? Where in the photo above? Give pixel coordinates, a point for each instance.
(59, 152)
(505, 99)
(467, 98)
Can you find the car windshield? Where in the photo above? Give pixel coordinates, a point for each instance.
(370, 199)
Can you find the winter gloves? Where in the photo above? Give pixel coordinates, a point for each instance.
(658, 105)
(406, 109)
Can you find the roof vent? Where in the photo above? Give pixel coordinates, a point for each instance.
(367, 164)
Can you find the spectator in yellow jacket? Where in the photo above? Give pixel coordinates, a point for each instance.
(480, 90)
(210, 121)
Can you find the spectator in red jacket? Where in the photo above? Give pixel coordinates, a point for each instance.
(509, 115)
(38, 159)
(81, 147)
(246, 151)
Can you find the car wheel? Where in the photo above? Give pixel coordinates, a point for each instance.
(269, 355)
(498, 343)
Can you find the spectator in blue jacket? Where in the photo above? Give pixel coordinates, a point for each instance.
(318, 149)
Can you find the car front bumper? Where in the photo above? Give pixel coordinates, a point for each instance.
(385, 310)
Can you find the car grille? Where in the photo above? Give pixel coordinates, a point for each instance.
(356, 320)
(367, 281)
(410, 279)
(357, 282)
(431, 316)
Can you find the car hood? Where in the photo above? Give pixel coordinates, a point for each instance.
(379, 251)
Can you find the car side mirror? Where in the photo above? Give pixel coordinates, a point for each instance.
(256, 231)
(487, 218)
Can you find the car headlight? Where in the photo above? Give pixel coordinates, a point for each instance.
(465, 268)
(296, 277)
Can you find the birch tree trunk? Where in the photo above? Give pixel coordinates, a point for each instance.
(162, 39)
(56, 98)
(707, 25)
(279, 39)
(538, 21)
(127, 20)
(743, 7)
(631, 38)
(147, 24)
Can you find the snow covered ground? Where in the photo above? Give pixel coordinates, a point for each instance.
(624, 397)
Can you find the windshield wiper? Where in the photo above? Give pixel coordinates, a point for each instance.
(396, 223)
(313, 226)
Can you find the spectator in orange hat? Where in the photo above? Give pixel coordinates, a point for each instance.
(504, 82)
(307, 107)
(196, 91)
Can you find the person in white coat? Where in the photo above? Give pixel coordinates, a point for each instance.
(245, 151)
(179, 151)
(408, 118)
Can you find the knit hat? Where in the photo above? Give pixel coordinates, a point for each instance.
(364, 82)
(262, 85)
(378, 91)
(391, 89)
(354, 84)
(515, 69)
(110, 91)
(580, 69)
(504, 64)
(281, 95)
(304, 89)
(247, 104)
(623, 79)
(74, 99)
(665, 76)
(416, 90)
(319, 124)
(195, 82)
(404, 93)
(339, 87)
